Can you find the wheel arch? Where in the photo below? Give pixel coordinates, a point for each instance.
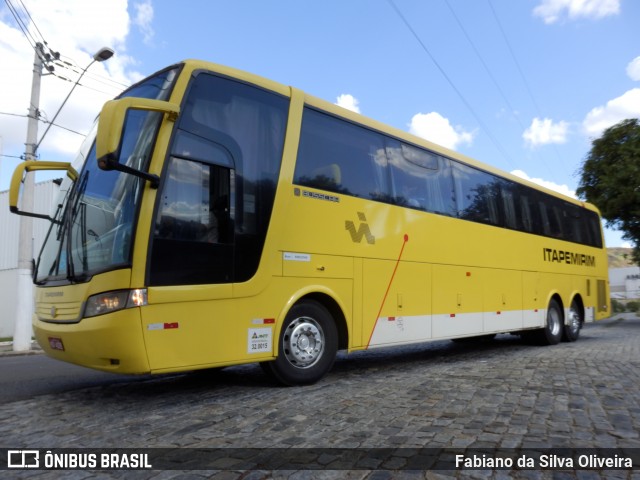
(328, 300)
(336, 313)
(556, 296)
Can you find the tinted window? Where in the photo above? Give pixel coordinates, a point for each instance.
(193, 238)
(477, 194)
(341, 157)
(158, 86)
(420, 179)
(222, 177)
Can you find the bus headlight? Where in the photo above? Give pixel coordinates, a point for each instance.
(113, 301)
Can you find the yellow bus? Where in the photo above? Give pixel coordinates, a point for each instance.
(216, 218)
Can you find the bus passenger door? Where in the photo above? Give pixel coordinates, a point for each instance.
(191, 268)
(193, 235)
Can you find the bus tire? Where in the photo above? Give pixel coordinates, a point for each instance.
(551, 334)
(307, 347)
(571, 329)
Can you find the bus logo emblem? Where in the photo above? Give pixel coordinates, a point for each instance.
(362, 231)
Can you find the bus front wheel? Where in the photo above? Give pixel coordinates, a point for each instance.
(307, 347)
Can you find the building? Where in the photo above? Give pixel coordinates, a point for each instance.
(625, 283)
(45, 194)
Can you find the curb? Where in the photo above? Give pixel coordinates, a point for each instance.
(6, 349)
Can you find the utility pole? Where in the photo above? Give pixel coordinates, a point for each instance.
(24, 310)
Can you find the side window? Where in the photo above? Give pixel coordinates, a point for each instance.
(193, 235)
(556, 217)
(574, 224)
(509, 192)
(593, 227)
(341, 157)
(420, 179)
(477, 195)
(530, 213)
(220, 183)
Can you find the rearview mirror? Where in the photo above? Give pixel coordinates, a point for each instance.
(33, 166)
(111, 126)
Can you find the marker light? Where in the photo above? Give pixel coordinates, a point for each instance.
(113, 301)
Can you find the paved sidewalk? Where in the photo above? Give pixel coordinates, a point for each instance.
(6, 349)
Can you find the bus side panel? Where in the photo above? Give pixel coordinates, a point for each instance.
(457, 301)
(587, 289)
(552, 284)
(191, 334)
(502, 300)
(187, 334)
(534, 310)
(397, 302)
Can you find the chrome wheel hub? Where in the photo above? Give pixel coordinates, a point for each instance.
(303, 342)
(554, 322)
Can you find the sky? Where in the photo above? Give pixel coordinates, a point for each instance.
(524, 85)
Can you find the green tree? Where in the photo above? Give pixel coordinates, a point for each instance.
(610, 179)
(633, 306)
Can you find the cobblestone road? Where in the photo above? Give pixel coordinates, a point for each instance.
(502, 394)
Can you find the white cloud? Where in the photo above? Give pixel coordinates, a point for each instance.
(144, 18)
(633, 69)
(553, 11)
(437, 129)
(76, 29)
(349, 102)
(544, 132)
(564, 189)
(625, 106)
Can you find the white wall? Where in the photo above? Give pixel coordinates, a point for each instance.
(625, 283)
(44, 199)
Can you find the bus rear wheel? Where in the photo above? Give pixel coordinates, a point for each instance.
(307, 347)
(571, 330)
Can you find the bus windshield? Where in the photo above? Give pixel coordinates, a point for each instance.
(93, 225)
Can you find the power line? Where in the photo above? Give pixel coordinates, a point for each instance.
(14, 114)
(526, 83)
(32, 21)
(21, 25)
(66, 128)
(515, 58)
(486, 67)
(11, 156)
(75, 68)
(89, 87)
(484, 127)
